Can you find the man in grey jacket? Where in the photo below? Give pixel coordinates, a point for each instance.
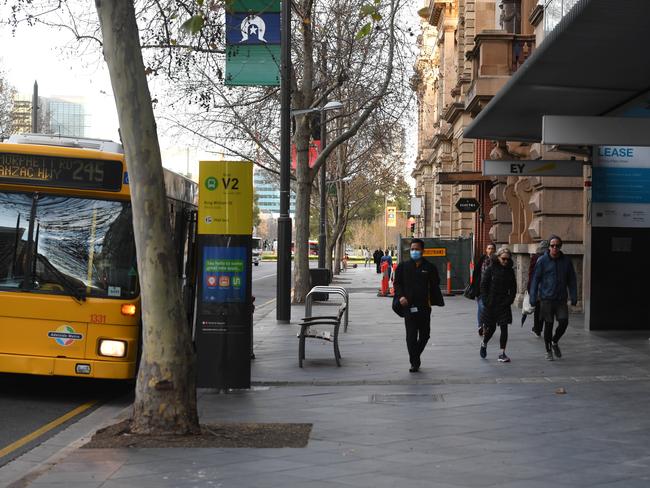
(553, 275)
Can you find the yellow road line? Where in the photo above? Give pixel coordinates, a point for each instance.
(266, 303)
(46, 428)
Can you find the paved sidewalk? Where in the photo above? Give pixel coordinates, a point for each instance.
(460, 422)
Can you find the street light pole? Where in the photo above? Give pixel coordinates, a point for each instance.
(283, 306)
(385, 222)
(322, 234)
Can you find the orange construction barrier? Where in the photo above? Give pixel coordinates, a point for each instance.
(385, 275)
(391, 291)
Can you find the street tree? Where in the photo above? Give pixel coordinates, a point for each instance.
(165, 401)
(7, 97)
(369, 164)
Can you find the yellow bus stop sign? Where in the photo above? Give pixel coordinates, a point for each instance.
(226, 197)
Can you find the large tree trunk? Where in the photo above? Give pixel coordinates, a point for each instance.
(304, 174)
(165, 397)
(303, 206)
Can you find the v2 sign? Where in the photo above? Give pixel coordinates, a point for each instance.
(225, 197)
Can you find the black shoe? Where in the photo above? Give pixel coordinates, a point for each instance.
(556, 349)
(537, 333)
(414, 369)
(483, 350)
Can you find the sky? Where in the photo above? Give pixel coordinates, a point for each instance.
(36, 54)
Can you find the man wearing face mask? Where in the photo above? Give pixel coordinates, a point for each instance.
(417, 286)
(553, 276)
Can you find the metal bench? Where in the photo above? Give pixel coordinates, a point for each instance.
(336, 290)
(331, 334)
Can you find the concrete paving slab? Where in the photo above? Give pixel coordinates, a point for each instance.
(460, 422)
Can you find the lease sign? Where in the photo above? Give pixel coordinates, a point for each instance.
(225, 197)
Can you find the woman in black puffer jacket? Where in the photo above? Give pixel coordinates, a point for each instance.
(498, 290)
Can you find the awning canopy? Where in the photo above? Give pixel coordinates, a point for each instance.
(595, 62)
(462, 177)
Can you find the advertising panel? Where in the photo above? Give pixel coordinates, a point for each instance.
(391, 216)
(621, 187)
(224, 274)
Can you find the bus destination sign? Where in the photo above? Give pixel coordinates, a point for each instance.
(41, 170)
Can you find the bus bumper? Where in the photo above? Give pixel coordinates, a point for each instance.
(37, 365)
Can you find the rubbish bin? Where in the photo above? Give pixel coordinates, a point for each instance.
(319, 277)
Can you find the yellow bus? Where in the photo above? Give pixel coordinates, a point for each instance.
(69, 291)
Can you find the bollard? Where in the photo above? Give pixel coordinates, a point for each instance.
(448, 277)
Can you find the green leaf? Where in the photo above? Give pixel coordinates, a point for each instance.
(194, 24)
(366, 10)
(376, 16)
(199, 3)
(364, 31)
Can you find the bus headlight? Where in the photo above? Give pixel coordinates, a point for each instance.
(111, 348)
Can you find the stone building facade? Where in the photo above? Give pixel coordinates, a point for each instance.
(468, 51)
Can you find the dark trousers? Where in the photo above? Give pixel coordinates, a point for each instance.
(552, 310)
(489, 330)
(418, 330)
(538, 324)
(378, 267)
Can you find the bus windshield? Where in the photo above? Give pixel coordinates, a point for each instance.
(67, 245)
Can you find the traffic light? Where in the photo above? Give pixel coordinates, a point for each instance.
(412, 225)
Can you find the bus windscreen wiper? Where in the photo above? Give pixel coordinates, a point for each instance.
(29, 281)
(68, 285)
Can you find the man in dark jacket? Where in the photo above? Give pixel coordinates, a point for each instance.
(417, 287)
(376, 256)
(538, 325)
(553, 274)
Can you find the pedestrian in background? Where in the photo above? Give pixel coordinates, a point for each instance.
(483, 262)
(417, 287)
(387, 257)
(537, 322)
(498, 291)
(377, 258)
(366, 257)
(553, 275)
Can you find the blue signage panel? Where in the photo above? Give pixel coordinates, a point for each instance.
(224, 274)
(621, 187)
(244, 29)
